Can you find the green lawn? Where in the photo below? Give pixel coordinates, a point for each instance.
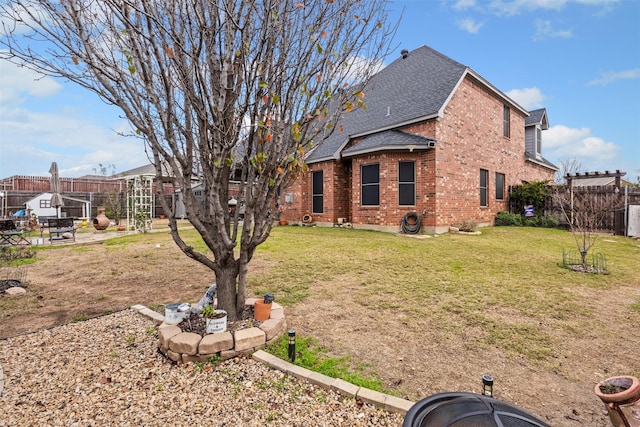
(503, 284)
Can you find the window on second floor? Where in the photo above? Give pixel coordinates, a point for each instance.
(499, 186)
(370, 175)
(484, 187)
(406, 183)
(506, 121)
(538, 141)
(317, 193)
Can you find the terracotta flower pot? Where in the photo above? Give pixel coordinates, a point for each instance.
(621, 396)
(101, 222)
(261, 310)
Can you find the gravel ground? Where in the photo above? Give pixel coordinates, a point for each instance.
(107, 372)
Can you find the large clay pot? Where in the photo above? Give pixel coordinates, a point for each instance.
(261, 310)
(101, 222)
(622, 400)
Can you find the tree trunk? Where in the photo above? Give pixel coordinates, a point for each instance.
(583, 256)
(226, 278)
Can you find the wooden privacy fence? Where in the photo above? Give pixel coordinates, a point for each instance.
(19, 189)
(616, 221)
(41, 184)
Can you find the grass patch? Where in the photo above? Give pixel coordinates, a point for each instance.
(507, 283)
(313, 357)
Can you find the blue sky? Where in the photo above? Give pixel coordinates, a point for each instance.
(580, 59)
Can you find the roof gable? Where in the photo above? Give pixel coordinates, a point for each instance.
(537, 117)
(414, 87)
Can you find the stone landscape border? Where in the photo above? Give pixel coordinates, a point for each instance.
(185, 347)
(250, 343)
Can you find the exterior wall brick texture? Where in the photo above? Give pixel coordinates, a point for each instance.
(469, 137)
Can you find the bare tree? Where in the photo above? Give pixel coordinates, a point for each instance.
(217, 89)
(567, 166)
(585, 212)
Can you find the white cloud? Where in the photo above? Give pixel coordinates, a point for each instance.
(73, 133)
(469, 25)
(530, 98)
(464, 4)
(28, 16)
(16, 81)
(565, 142)
(612, 76)
(515, 7)
(32, 140)
(544, 30)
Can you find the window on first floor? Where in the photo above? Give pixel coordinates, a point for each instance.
(499, 186)
(45, 203)
(406, 183)
(506, 121)
(484, 187)
(370, 178)
(317, 193)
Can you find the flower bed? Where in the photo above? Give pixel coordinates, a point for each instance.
(183, 346)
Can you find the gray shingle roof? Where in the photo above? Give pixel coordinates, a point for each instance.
(541, 161)
(536, 117)
(388, 140)
(408, 89)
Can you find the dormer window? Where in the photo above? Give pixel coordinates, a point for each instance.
(534, 125)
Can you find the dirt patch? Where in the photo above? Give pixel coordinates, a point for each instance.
(414, 355)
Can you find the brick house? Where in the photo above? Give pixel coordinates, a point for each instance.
(436, 141)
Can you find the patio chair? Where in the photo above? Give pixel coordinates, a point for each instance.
(10, 235)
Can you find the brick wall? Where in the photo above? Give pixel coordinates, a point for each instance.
(469, 137)
(336, 193)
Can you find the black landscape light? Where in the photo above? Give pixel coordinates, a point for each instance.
(487, 385)
(292, 345)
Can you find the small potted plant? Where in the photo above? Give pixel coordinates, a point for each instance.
(262, 308)
(621, 396)
(216, 319)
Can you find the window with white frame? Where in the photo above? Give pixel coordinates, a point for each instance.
(506, 121)
(484, 187)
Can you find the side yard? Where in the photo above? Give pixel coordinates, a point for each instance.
(425, 315)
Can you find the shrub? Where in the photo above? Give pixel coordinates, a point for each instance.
(533, 193)
(547, 220)
(508, 219)
(517, 220)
